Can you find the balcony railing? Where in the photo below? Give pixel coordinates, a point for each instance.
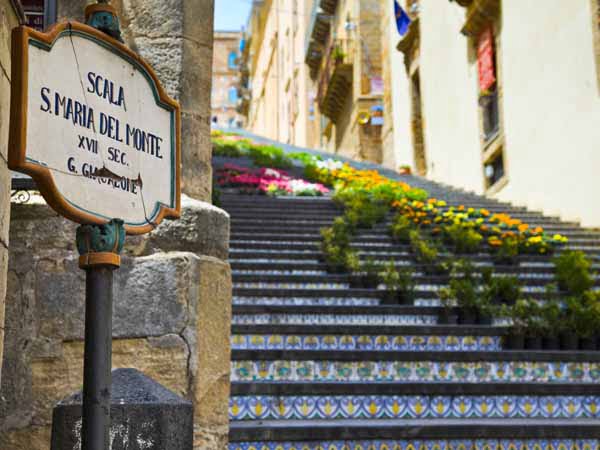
(318, 32)
(336, 77)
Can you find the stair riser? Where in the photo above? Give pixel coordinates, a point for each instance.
(365, 342)
(413, 371)
(260, 407)
(334, 319)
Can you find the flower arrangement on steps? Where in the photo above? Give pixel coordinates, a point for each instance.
(266, 181)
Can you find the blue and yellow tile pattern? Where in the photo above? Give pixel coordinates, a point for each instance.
(412, 407)
(365, 342)
(415, 371)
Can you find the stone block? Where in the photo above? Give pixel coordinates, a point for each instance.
(143, 415)
(4, 205)
(198, 16)
(32, 438)
(203, 229)
(3, 276)
(196, 156)
(163, 359)
(196, 84)
(4, 117)
(210, 368)
(151, 296)
(37, 231)
(8, 20)
(154, 18)
(165, 55)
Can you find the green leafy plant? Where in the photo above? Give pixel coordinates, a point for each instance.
(399, 283)
(370, 273)
(527, 318)
(268, 156)
(503, 289)
(400, 228)
(425, 251)
(573, 273)
(507, 252)
(463, 239)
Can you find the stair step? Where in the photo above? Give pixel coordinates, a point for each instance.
(357, 341)
(344, 433)
(310, 301)
(370, 367)
(408, 388)
(272, 319)
(412, 406)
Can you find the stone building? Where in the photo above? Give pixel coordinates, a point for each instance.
(499, 97)
(11, 15)
(226, 79)
(278, 100)
(315, 71)
(173, 291)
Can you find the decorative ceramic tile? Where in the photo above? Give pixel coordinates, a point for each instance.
(462, 444)
(415, 371)
(412, 407)
(333, 319)
(365, 342)
(291, 301)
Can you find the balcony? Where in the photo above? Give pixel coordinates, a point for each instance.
(336, 78)
(318, 33)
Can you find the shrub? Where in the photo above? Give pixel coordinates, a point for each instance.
(400, 228)
(463, 239)
(504, 289)
(573, 272)
(508, 251)
(527, 318)
(227, 148)
(425, 251)
(398, 281)
(268, 156)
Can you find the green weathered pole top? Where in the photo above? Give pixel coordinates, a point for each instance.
(103, 17)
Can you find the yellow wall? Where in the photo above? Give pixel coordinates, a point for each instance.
(449, 96)
(551, 108)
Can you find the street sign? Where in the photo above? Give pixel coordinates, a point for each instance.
(92, 125)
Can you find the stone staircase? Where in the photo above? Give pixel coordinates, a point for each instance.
(319, 365)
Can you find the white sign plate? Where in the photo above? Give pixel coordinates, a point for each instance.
(92, 125)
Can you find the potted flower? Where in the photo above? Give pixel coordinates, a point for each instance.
(552, 323)
(338, 54)
(370, 274)
(399, 284)
(447, 315)
(569, 340)
(506, 251)
(572, 272)
(515, 339)
(400, 229)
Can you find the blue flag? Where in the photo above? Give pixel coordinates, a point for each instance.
(402, 19)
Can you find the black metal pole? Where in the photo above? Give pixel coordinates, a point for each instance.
(97, 358)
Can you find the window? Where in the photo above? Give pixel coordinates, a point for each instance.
(232, 60)
(494, 170)
(489, 115)
(232, 95)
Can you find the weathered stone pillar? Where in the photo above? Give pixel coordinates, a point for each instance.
(176, 38)
(10, 16)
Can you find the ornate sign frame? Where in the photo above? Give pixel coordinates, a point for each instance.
(22, 38)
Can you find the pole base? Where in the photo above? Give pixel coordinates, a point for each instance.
(144, 415)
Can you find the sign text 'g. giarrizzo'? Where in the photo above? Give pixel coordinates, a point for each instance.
(100, 136)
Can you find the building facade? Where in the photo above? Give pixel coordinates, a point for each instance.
(226, 79)
(498, 97)
(312, 75)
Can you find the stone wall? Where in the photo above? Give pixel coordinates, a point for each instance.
(171, 319)
(176, 38)
(10, 16)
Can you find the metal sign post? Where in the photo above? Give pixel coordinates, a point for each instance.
(94, 128)
(99, 247)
